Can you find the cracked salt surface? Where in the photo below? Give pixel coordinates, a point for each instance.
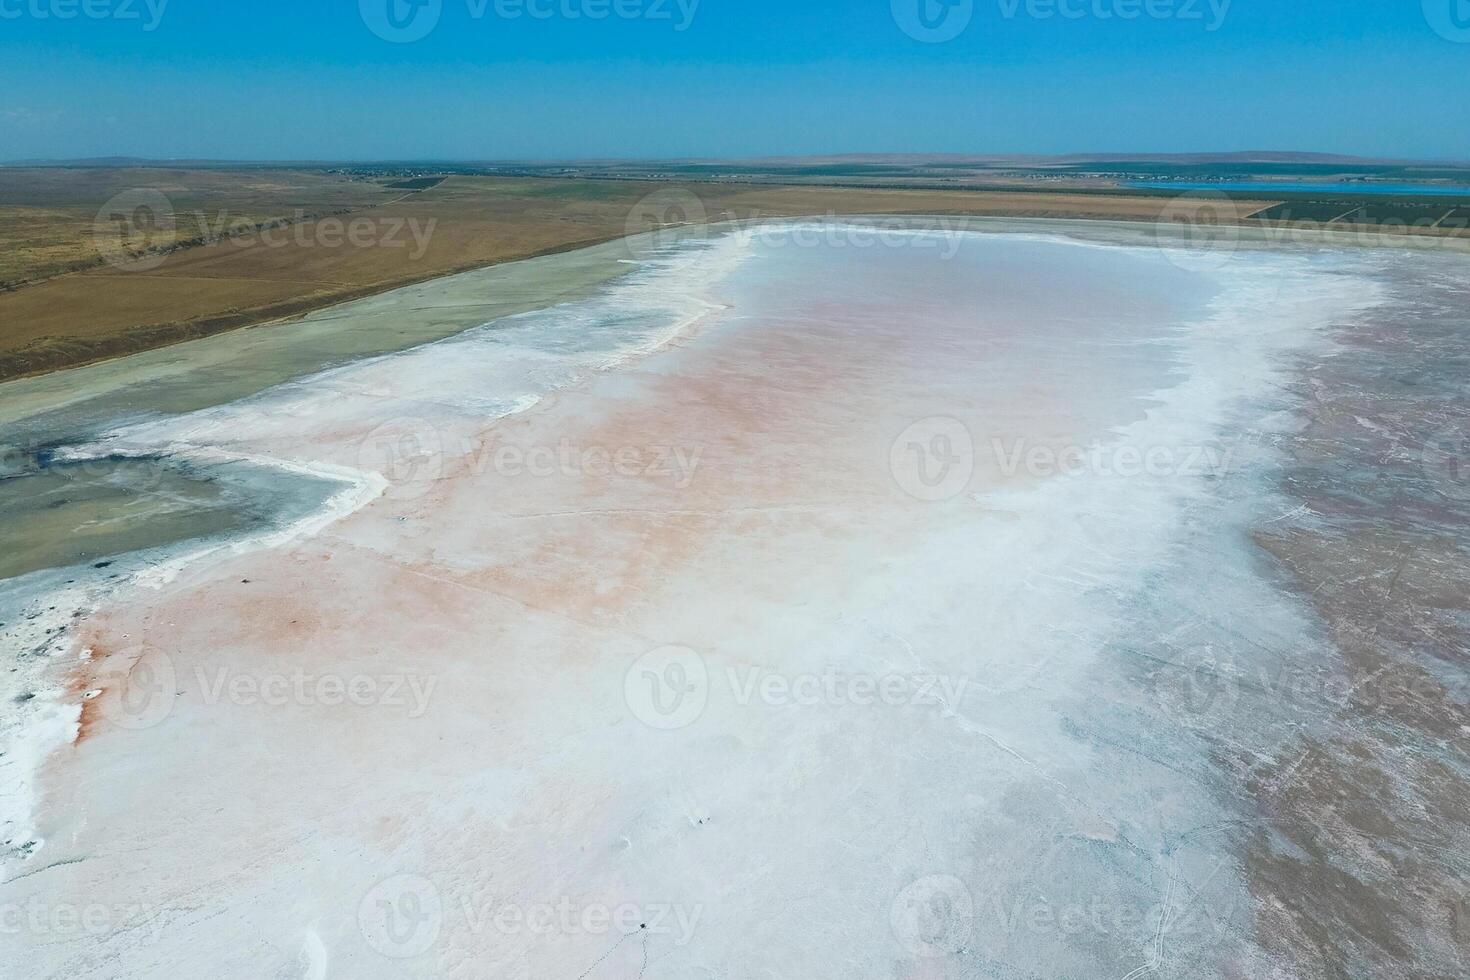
(780, 791)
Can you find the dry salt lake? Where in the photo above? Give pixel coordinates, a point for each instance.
(920, 599)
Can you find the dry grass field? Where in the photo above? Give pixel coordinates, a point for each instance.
(49, 217)
(366, 236)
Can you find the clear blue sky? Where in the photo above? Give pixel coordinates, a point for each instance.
(299, 79)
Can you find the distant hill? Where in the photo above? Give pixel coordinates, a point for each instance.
(977, 160)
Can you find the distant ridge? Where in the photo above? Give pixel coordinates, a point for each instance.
(978, 159)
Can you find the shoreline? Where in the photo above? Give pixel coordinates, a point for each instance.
(336, 335)
(1256, 232)
(59, 724)
(163, 336)
(1043, 205)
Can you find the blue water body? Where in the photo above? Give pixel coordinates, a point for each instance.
(1286, 186)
